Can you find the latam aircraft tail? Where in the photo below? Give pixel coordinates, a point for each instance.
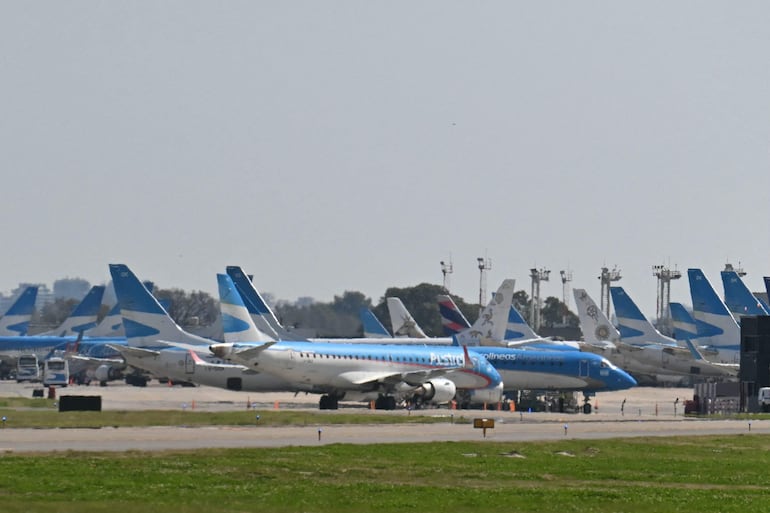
(452, 319)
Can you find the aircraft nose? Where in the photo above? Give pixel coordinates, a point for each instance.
(625, 380)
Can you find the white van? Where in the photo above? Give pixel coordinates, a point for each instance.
(764, 398)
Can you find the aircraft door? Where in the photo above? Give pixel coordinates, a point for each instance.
(583, 368)
(189, 364)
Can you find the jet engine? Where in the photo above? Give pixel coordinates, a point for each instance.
(438, 390)
(486, 395)
(106, 373)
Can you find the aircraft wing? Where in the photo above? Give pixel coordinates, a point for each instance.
(394, 378)
(136, 352)
(94, 360)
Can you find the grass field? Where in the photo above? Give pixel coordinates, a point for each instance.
(703, 474)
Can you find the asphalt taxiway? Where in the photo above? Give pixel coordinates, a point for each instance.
(639, 412)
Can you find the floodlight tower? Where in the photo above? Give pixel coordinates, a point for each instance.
(664, 275)
(607, 277)
(537, 276)
(485, 264)
(445, 270)
(738, 270)
(566, 277)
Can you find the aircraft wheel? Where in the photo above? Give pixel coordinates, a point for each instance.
(587, 408)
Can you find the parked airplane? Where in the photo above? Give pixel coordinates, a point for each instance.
(388, 371)
(268, 324)
(717, 329)
(649, 362)
(40, 345)
(16, 318)
(147, 323)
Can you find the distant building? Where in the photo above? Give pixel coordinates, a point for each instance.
(71, 288)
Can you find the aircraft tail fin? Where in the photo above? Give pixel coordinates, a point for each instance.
(452, 319)
(518, 329)
(490, 327)
(16, 319)
(738, 297)
(84, 316)
(373, 328)
(711, 311)
(263, 317)
(634, 327)
(110, 326)
(597, 329)
(685, 327)
(401, 321)
(144, 320)
(237, 323)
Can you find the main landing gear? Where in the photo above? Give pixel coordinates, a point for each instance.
(385, 402)
(328, 402)
(586, 405)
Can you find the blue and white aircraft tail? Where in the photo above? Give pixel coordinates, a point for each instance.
(725, 335)
(144, 320)
(634, 327)
(738, 297)
(83, 317)
(110, 326)
(373, 328)
(16, 319)
(685, 326)
(237, 323)
(263, 317)
(401, 321)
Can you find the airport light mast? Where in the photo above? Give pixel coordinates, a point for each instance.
(664, 275)
(607, 277)
(738, 270)
(445, 270)
(537, 276)
(485, 264)
(566, 277)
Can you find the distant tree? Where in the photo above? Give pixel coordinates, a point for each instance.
(420, 301)
(336, 319)
(52, 314)
(556, 314)
(523, 304)
(189, 308)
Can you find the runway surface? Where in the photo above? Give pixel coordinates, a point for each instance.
(646, 412)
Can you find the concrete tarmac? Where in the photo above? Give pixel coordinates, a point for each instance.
(645, 412)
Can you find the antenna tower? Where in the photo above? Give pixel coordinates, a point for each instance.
(607, 277)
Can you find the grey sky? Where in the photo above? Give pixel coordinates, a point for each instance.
(332, 146)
